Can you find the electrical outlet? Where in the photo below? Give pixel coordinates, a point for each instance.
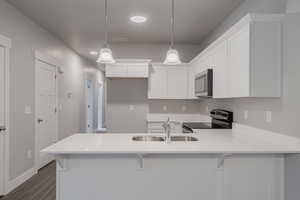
(245, 114)
(60, 107)
(268, 116)
(27, 110)
(131, 107)
(29, 154)
(165, 108)
(207, 109)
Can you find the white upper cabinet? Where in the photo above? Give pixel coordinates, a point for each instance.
(128, 69)
(168, 82)
(177, 82)
(157, 82)
(246, 60)
(239, 63)
(220, 70)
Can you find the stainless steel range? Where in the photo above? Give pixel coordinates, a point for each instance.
(221, 119)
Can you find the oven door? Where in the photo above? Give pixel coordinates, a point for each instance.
(203, 84)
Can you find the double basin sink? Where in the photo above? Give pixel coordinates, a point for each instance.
(163, 139)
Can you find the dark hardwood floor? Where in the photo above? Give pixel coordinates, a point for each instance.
(40, 187)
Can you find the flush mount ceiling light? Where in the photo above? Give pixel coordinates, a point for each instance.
(138, 19)
(93, 53)
(172, 57)
(105, 54)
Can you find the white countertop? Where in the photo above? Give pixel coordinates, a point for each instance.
(240, 140)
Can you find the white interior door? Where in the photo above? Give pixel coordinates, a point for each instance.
(2, 119)
(46, 113)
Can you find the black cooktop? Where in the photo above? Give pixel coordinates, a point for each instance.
(221, 119)
(205, 125)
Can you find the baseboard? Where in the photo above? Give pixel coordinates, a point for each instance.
(13, 184)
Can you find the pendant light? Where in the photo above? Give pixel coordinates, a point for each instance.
(172, 57)
(105, 54)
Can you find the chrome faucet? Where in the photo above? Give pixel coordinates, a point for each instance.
(167, 127)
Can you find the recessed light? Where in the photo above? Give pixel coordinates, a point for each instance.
(138, 19)
(93, 53)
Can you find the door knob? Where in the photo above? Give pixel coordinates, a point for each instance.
(40, 120)
(2, 128)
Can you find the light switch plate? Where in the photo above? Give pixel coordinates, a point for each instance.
(29, 154)
(268, 116)
(131, 107)
(27, 110)
(165, 108)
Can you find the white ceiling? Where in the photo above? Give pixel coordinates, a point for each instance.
(80, 23)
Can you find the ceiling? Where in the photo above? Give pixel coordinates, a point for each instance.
(80, 23)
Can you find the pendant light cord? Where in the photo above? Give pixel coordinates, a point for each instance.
(172, 24)
(106, 25)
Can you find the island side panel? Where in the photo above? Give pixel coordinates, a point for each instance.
(114, 177)
(169, 177)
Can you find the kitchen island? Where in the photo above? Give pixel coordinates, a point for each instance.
(242, 164)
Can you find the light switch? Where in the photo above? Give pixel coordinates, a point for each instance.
(27, 110)
(268, 116)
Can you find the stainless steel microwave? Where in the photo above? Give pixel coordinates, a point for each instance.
(204, 84)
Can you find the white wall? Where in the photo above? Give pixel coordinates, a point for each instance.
(27, 37)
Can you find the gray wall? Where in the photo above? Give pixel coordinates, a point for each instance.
(155, 52)
(247, 6)
(27, 37)
(123, 93)
(285, 117)
(293, 6)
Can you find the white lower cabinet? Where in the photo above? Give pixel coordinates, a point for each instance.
(249, 177)
(168, 82)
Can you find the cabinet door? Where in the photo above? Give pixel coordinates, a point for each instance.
(253, 177)
(115, 70)
(220, 68)
(137, 71)
(239, 63)
(177, 82)
(191, 81)
(157, 86)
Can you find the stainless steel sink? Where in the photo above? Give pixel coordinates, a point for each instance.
(162, 139)
(183, 139)
(148, 138)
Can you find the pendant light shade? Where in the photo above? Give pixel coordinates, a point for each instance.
(172, 57)
(105, 54)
